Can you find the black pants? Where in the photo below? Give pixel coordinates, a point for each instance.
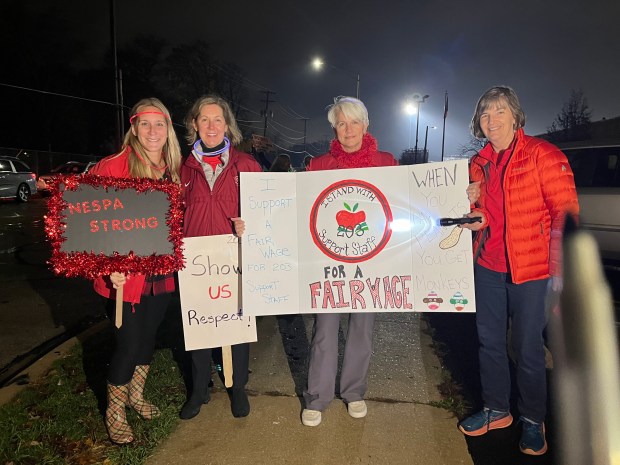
(201, 368)
(135, 339)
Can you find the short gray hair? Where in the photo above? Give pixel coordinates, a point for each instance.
(492, 97)
(350, 107)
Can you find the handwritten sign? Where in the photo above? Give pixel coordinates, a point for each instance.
(357, 240)
(210, 294)
(270, 243)
(99, 224)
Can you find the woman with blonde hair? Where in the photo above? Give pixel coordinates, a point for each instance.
(150, 150)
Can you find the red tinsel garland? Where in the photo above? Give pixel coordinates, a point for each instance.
(90, 265)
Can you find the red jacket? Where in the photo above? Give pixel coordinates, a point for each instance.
(117, 166)
(539, 190)
(207, 212)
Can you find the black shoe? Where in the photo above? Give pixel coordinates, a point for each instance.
(192, 407)
(240, 405)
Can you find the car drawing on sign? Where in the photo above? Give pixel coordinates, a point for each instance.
(17, 181)
(597, 178)
(70, 167)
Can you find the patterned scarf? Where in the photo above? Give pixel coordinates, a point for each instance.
(359, 159)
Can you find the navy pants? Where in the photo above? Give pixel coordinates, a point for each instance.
(497, 301)
(135, 339)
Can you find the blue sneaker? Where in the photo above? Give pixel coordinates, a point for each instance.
(533, 440)
(485, 420)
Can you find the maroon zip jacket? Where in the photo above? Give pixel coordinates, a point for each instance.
(208, 212)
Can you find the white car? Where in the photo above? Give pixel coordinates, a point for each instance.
(597, 177)
(16, 179)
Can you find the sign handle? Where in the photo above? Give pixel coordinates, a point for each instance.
(228, 366)
(118, 320)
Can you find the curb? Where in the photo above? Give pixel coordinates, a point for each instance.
(38, 369)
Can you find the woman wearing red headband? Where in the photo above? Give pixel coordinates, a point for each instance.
(150, 150)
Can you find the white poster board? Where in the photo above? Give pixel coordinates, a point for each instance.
(210, 294)
(357, 240)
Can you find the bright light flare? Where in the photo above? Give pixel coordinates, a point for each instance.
(317, 63)
(409, 108)
(400, 225)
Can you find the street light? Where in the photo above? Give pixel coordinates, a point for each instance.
(318, 63)
(418, 99)
(410, 109)
(426, 138)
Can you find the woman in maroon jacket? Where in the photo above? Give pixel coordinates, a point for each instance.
(150, 150)
(353, 147)
(210, 177)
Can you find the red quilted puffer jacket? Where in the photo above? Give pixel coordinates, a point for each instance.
(539, 190)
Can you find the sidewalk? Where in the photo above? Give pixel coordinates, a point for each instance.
(401, 426)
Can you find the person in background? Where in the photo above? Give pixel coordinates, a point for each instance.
(353, 147)
(526, 190)
(281, 164)
(150, 150)
(210, 177)
(306, 162)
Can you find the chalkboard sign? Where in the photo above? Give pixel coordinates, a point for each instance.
(100, 224)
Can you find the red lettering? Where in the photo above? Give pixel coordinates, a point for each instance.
(127, 224)
(398, 296)
(374, 292)
(315, 290)
(117, 203)
(116, 225)
(226, 293)
(95, 205)
(357, 287)
(105, 224)
(328, 297)
(152, 222)
(341, 302)
(74, 208)
(106, 203)
(389, 299)
(141, 223)
(93, 226)
(218, 293)
(86, 207)
(404, 280)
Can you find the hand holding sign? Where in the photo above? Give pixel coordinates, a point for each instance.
(100, 226)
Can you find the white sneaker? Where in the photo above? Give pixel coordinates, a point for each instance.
(311, 417)
(357, 409)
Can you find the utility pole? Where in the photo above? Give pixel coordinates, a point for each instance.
(267, 102)
(117, 91)
(305, 120)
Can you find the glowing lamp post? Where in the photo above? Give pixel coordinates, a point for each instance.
(318, 63)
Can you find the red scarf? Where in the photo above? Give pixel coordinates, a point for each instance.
(361, 158)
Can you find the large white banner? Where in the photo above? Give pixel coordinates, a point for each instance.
(210, 294)
(357, 240)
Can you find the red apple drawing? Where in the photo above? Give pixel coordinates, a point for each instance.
(348, 218)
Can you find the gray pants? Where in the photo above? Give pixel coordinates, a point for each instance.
(324, 359)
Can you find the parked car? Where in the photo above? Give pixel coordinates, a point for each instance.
(597, 177)
(16, 179)
(70, 167)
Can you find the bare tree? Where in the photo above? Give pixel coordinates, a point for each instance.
(472, 147)
(573, 122)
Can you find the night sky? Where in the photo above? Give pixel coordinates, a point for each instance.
(543, 49)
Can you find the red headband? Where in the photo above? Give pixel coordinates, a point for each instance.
(146, 113)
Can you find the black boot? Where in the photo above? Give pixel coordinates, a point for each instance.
(239, 403)
(201, 375)
(191, 408)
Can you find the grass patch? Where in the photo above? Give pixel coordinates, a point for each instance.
(59, 420)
